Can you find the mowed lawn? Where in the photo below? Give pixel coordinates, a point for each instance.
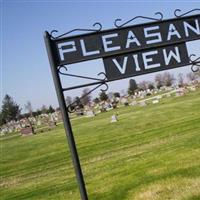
(151, 153)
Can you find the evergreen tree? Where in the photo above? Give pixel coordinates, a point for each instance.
(96, 100)
(103, 96)
(51, 109)
(132, 87)
(10, 110)
(1, 119)
(116, 94)
(151, 86)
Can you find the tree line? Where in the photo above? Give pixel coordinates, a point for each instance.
(10, 110)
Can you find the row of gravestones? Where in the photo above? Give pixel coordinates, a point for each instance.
(27, 126)
(154, 100)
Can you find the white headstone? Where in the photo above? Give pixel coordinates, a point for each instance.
(90, 113)
(159, 97)
(114, 118)
(178, 94)
(193, 89)
(155, 101)
(38, 123)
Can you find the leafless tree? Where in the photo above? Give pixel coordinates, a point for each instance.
(151, 85)
(191, 76)
(159, 81)
(143, 85)
(68, 100)
(168, 79)
(28, 107)
(85, 98)
(180, 80)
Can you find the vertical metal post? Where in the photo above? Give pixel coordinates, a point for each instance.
(66, 120)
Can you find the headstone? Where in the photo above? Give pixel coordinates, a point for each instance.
(155, 101)
(124, 100)
(90, 113)
(10, 129)
(51, 124)
(159, 97)
(178, 94)
(102, 108)
(23, 124)
(39, 123)
(59, 116)
(79, 112)
(193, 89)
(27, 131)
(133, 103)
(114, 118)
(109, 107)
(142, 96)
(168, 95)
(143, 103)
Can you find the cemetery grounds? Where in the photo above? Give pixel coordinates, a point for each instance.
(151, 153)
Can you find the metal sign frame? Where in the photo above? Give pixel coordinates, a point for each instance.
(104, 43)
(59, 70)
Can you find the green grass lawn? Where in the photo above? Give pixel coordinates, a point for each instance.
(151, 153)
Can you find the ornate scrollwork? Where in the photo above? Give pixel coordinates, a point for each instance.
(97, 29)
(184, 14)
(63, 69)
(99, 82)
(195, 63)
(138, 17)
(72, 107)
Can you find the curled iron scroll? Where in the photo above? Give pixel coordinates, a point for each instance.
(184, 14)
(63, 71)
(138, 17)
(97, 27)
(72, 107)
(195, 63)
(101, 82)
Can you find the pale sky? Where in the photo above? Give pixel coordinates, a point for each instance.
(25, 71)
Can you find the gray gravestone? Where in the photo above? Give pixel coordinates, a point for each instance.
(114, 118)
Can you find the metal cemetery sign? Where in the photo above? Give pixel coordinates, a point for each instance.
(142, 62)
(127, 39)
(126, 51)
